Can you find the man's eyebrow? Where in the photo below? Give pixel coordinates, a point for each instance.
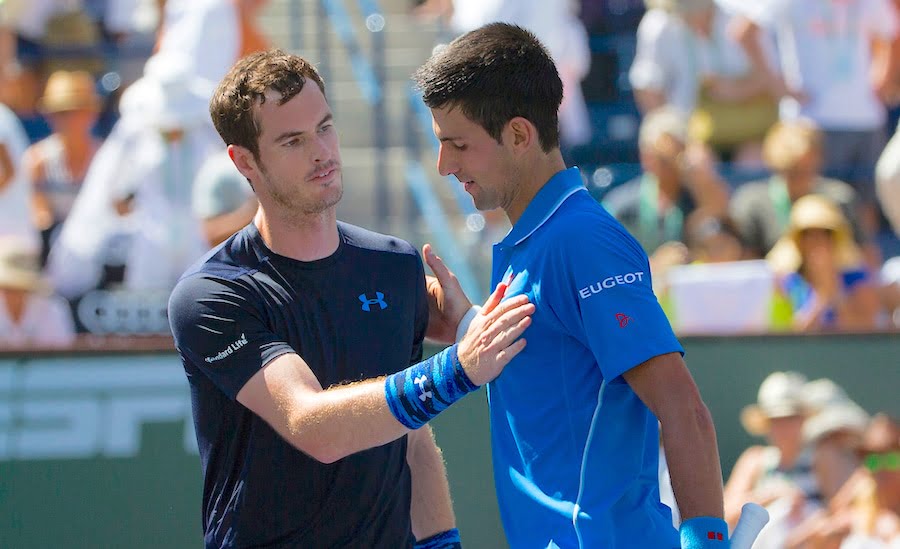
(295, 133)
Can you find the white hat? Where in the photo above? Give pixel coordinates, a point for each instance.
(169, 96)
(844, 416)
(780, 395)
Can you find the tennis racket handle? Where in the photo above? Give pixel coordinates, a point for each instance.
(753, 518)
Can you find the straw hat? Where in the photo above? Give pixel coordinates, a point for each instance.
(680, 6)
(814, 211)
(69, 91)
(780, 395)
(19, 266)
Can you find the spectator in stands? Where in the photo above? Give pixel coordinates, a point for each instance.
(56, 166)
(15, 193)
(686, 58)
(222, 199)
(712, 239)
(139, 187)
(29, 313)
(865, 514)
(822, 271)
(778, 476)
(677, 180)
(761, 209)
(834, 430)
(557, 26)
(890, 281)
(835, 61)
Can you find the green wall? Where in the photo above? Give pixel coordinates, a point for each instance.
(95, 450)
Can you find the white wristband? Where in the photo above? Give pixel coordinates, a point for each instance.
(463, 326)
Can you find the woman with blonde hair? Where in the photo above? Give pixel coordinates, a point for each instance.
(821, 270)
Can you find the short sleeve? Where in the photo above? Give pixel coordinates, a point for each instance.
(421, 318)
(605, 298)
(220, 328)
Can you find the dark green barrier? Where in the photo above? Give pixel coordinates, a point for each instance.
(97, 451)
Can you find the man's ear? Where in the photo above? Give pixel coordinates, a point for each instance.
(521, 133)
(244, 161)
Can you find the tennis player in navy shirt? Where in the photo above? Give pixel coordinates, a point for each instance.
(574, 418)
(301, 338)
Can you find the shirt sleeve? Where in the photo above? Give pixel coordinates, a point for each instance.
(606, 298)
(220, 328)
(881, 19)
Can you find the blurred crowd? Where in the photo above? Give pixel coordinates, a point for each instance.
(827, 471)
(768, 196)
(99, 217)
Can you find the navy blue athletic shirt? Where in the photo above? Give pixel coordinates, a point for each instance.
(357, 314)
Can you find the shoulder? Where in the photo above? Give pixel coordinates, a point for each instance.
(655, 23)
(365, 239)
(623, 198)
(836, 190)
(752, 191)
(584, 229)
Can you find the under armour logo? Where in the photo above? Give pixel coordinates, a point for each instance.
(420, 381)
(367, 303)
(623, 320)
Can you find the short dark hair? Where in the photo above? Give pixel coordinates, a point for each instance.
(494, 74)
(231, 106)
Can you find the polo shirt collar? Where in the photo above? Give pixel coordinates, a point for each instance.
(561, 186)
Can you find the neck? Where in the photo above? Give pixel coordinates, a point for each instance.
(798, 186)
(531, 178)
(669, 188)
(305, 238)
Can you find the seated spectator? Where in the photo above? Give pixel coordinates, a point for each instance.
(761, 209)
(15, 193)
(687, 59)
(887, 181)
(712, 239)
(30, 315)
(821, 270)
(56, 166)
(834, 430)
(778, 476)
(222, 199)
(677, 180)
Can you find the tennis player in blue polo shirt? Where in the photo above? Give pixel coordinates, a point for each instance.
(574, 416)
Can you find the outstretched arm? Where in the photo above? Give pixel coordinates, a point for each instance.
(331, 424)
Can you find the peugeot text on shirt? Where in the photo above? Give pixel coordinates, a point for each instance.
(611, 282)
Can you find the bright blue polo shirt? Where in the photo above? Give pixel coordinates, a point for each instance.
(575, 450)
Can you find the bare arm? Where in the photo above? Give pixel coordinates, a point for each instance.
(747, 33)
(334, 423)
(431, 510)
(33, 164)
(664, 384)
(740, 484)
(218, 228)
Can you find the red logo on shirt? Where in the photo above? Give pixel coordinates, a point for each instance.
(623, 319)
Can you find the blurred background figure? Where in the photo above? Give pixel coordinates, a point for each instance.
(793, 152)
(687, 59)
(887, 182)
(779, 475)
(712, 239)
(30, 314)
(677, 180)
(822, 272)
(222, 199)
(136, 200)
(56, 166)
(835, 65)
(557, 26)
(15, 192)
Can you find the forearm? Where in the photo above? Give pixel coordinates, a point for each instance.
(431, 509)
(693, 458)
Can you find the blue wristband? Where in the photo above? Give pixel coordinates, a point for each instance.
(422, 391)
(704, 533)
(444, 540)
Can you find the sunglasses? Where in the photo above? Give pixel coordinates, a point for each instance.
(885, 461)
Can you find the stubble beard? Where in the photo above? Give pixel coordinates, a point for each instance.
(297, 209)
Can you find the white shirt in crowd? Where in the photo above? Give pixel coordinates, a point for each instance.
(15, 197)
(824, 51)
(46, 322)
